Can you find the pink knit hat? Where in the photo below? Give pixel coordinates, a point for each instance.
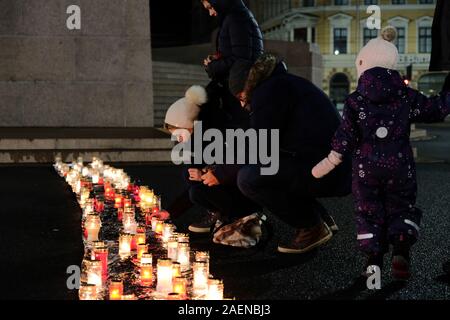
(379, 52)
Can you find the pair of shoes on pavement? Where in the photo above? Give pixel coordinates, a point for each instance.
(306, 239)
(206, 223)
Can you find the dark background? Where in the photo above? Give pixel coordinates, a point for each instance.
(180, 23)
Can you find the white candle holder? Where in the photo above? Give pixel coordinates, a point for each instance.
(87, 292)
(125, 245)
(168, 230)
(164, 276)
(215, 289)
(203, 256)
(146, 258)
(200, 278)
(94, 273)
(92, 225)
(172, 248)
(183, 255)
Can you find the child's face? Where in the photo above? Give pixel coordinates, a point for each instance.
(181, 134)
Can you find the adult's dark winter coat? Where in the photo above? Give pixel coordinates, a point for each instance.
(302, 112)
(239, 37)
(440, 54)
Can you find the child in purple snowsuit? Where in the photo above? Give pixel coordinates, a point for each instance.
(376, 132)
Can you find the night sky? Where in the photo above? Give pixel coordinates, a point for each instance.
(177, 23)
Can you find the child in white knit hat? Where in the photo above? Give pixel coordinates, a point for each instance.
(376, 132)
(181, 115)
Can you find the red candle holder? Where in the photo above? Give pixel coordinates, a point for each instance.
(118, 202)
(120, 214)
(101, 254)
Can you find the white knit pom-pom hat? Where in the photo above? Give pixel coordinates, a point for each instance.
(379, 52)
(184, 111)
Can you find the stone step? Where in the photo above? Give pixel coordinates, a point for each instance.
(158, 87)
(179, 81)
(48, 156)
(179, 76)
(41, 145)
(177, 66)
(195, 72)
(177, 94)
(418, 134)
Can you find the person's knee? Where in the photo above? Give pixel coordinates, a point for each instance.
(248, 180)
(197, 193)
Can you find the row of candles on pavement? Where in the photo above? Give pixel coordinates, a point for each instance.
(170, 281)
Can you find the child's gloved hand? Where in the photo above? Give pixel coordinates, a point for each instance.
(327, 165)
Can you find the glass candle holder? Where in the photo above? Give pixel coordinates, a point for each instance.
(154, 222)
(118, 201)
(99, 204)
(101, 253)
(200, 278)
(174, 296)
(129, 222)
(120, 214)
(92, 226)
(127, 202)
(94, 273)
(176, 269)
(116, 290)
(146, 258)
(183, 255)
(172, 248)
(146, 275)
(164, 276)
(95, 176)
(141, 249)
(87, 291)
(180, 285)
(125, 245)
(159, 227)
(168, 230)
(203, 256)
(140, 237)
(183, 237)
(215, 289)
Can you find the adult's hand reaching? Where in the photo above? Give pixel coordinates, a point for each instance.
(210, 179)
(195, 174)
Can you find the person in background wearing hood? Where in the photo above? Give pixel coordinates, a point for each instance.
(376, 133)
(219, 196)
(239, 37)
(306, 120)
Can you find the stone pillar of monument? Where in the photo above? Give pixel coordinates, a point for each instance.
(98, 76)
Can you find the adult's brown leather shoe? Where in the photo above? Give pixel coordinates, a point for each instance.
(307, 239)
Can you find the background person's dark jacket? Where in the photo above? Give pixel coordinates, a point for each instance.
(440, 54)
(239, 37)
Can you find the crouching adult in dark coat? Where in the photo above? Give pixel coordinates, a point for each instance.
(306, 120)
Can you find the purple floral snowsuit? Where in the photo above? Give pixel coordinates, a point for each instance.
(376, 132)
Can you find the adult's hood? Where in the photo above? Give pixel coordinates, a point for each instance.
(381, 85)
